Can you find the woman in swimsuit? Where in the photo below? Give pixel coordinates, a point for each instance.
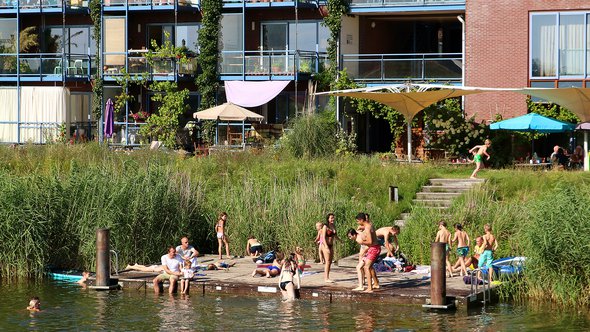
(288, 278)
(221, 236)
(327, 236)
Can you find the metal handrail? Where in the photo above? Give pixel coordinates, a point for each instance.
(116, 262)
(475, 283)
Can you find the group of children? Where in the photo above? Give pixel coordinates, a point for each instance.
(483, 250)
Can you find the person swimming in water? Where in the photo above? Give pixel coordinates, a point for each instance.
(34, 304)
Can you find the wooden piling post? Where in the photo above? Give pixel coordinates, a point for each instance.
(103, 258)
(438, 282)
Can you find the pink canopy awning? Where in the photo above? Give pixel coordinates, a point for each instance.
(252, 94)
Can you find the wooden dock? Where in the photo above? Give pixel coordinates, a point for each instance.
(395, 287)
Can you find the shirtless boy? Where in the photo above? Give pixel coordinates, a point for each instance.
(360, 267)
(490, 245)
(369, 238)
(387, 235)
(462, 247)
(443, 235)
(477, 156)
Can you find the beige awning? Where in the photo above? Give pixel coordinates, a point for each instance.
(577, 100)
(228, 112)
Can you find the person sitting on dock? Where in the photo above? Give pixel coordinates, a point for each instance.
(187, 276)
(253, 247)
(272, 270)
(473, 260)
(462, 247)
(387, 235)
(171, 263)
(443, 235)
(187, 252)
(34, 304)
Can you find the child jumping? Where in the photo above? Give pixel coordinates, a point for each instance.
(477, 156)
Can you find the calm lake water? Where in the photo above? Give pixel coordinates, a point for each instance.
(67, 307)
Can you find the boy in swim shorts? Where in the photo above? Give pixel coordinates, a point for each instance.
(369, 238)
(477, 156)
(490, 245)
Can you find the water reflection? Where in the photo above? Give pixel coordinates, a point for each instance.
(68, 307)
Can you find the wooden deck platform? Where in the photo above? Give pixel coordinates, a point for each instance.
(395, 287)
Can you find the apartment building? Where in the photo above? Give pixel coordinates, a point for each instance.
(462, 42)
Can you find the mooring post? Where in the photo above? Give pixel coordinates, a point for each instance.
(438, 281)
(103, 258)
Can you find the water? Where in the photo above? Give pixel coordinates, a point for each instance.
(67, 307)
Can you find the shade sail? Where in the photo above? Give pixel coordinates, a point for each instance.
(577, 100)
(228, 112)
(252, 94)
(533, 122)
(408, 99)
(409, 103)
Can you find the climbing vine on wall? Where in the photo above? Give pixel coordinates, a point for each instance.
(208, 59)
(333, 21)
(97, 84)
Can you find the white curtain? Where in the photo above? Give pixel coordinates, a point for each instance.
(571, 45)
(8, 113)
(43, 110)
(547, 48)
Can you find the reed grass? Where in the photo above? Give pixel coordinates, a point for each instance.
(53, 198)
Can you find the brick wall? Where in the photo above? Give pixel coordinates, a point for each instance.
(497, 51)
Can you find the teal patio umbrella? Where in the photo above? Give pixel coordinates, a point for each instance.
(533, 122)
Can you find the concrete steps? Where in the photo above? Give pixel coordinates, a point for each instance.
(438, 195)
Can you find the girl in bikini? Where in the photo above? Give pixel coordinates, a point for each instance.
(221, 236)
(290, 278)
(328, 234)
(272, 270)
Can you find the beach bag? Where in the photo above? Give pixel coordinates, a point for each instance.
(269, 257)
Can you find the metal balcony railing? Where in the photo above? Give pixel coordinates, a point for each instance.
(402, 67)
(271, 62)
(380, 3)
(151, 3)
(165, 68)
(41, 4)
(316, 2)
(45, 65)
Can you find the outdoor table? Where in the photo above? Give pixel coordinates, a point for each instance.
(537, 166)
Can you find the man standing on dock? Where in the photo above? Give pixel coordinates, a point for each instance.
(369, 238)
(171, 263)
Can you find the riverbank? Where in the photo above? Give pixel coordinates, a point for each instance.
(52, 199)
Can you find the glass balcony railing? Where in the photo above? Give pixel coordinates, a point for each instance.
(380, 3)
(271, 62)
(114, 65)
(315, 2)
(41, 4)
(44, 65)
(401, 67)
(154, 3)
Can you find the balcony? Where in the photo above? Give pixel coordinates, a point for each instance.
(39, 6)
(50, 67)
(373, 6)
(441, 67)
(165, 69)
(265, 65)
(121, 5)
(272, 3)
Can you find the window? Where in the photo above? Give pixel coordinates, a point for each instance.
(160, 33)
(79, 40)
(7, 35)
(188, 36)
(114, 41)
(231, 32)
(304, 36)
(560, 45)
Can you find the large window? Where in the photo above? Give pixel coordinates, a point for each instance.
(231, 32)
(560, 45)
(114, 42)
(187, 36)
(78, 40)
(304, 36)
